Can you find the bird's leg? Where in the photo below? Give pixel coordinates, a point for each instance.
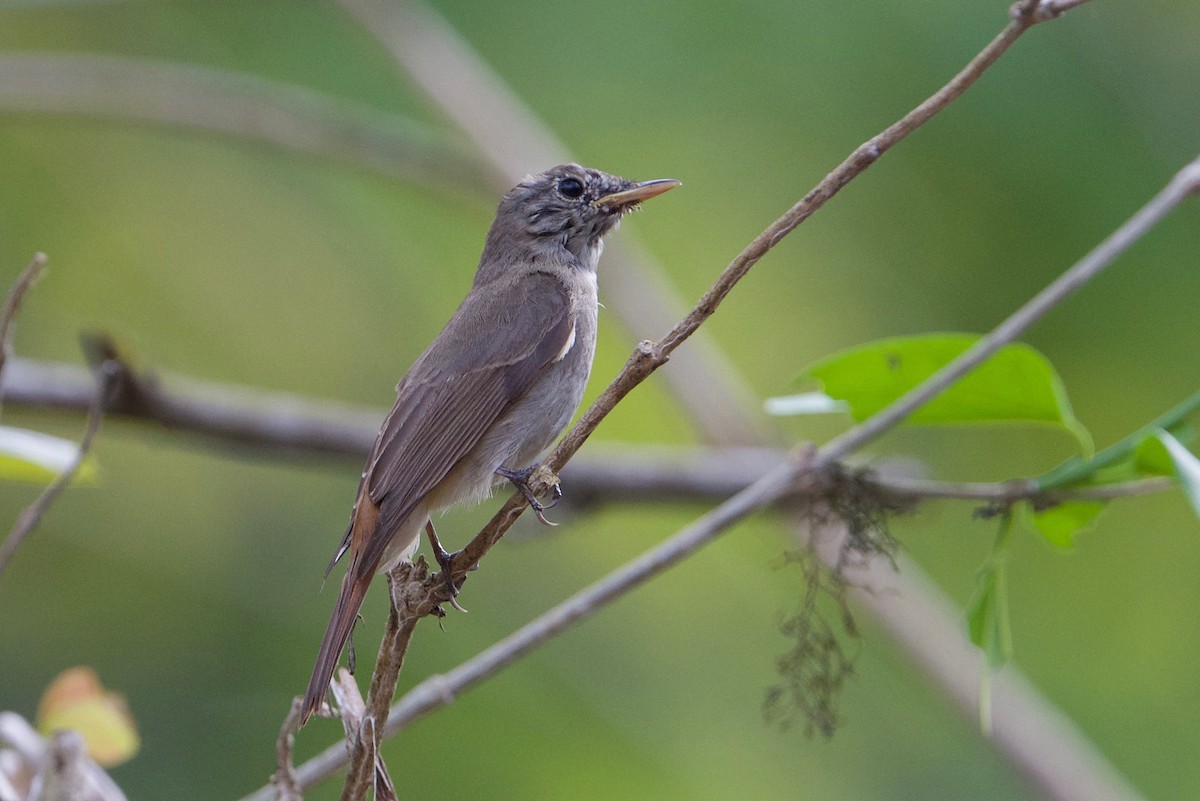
(439, 553)
(540, 474)
(351, 655)
(444, 560)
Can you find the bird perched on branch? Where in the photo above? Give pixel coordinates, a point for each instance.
(499, 383)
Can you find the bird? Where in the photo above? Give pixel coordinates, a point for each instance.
(494, 389)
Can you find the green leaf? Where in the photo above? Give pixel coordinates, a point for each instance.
(987, 614)
(1187, 468)
(1062, 523)
(37, 458)
(1151, 458)
(1016, 385)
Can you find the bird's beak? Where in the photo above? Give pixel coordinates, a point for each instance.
(643, 191)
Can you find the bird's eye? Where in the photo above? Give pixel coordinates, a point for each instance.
(570, 187)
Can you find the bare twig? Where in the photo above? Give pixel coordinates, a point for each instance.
(12, 303)
(285, 115)
(284, 778)
(361, 732)
(405, 580)
(245, 416)
(105, 376)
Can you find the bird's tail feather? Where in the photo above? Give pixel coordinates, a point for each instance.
(345, 612)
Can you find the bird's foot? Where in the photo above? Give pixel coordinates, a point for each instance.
(534, 481)
(445, 560)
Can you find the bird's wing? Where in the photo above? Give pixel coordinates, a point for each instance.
(459, 388)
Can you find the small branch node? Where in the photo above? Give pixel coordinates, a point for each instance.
(1025, 11)
(648, 357)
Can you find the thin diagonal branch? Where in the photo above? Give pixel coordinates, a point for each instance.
(284, 778)
(12, 304)
(28, 519)
(401, 624)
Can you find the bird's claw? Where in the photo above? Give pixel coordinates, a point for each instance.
(557, 495)
(542, 475)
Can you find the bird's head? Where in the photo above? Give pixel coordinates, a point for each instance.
(563, 214)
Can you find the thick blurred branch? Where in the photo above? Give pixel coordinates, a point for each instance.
(224, 413)
(275, 422)
(284, 115)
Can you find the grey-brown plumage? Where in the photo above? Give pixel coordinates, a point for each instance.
(495, 388)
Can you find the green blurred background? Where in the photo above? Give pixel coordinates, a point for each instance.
(190, 575)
